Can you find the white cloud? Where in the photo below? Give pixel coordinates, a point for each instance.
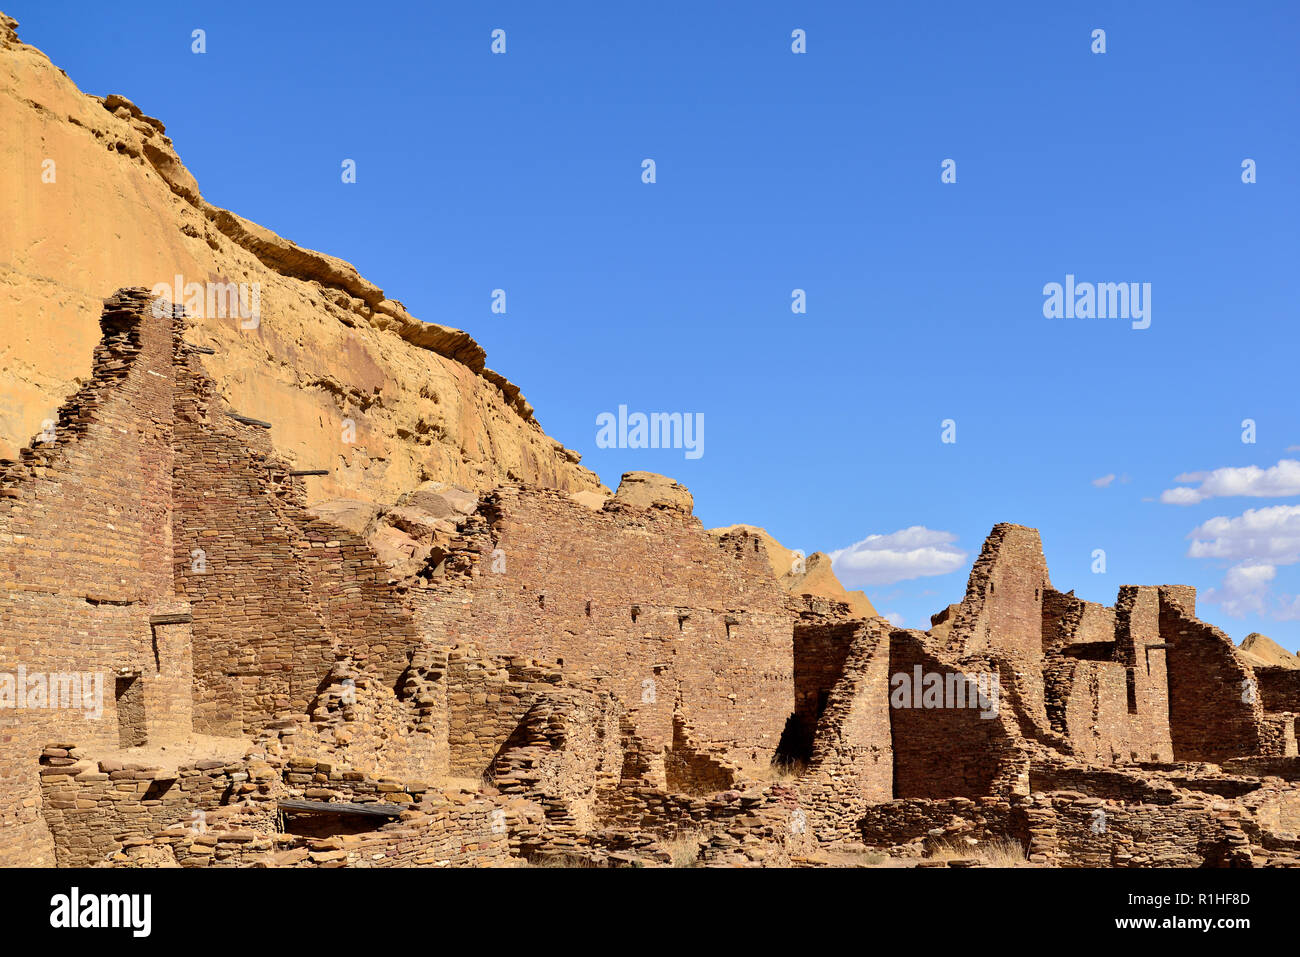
(1244, 589)
(1181, 496)
(1104, 481)
(1251, 480)
(1289, 610)
(894, 618)
(915, 552)
(1258, 536)
(1258, 541)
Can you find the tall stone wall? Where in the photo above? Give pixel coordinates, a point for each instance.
(641, 598)
(1003, 607)
(85, 565)
(278, 595)
(1139, 648)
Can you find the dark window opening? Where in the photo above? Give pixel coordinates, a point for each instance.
(1131, 682)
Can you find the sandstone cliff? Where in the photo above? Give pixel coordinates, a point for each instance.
(329, 348)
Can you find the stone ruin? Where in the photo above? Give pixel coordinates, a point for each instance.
(197, 669)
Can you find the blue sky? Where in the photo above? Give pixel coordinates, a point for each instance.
(819, 171)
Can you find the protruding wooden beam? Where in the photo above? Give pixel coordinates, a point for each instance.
(181, 618)
(249, 421)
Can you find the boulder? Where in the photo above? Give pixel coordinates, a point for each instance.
(651, 490)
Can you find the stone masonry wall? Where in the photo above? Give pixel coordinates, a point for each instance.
(278, 596)
(85, 563)
(642, 599)
(1213, 714)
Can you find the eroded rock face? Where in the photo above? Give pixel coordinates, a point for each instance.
(651, 490)
(349, 380)
(411, 537)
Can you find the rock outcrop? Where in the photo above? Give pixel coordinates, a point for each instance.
(650, 490)
(1263, 650)
(804, 575)
(94, 197)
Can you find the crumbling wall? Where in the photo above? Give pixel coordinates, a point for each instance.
(487, 698)
(1077, 831)
(565, 751)
(94, 808)
(689, 769)
(1003, 607)
(926, 822)
(852, 760)
(1001, 619)
(823, 633)
(1068, 620)
(1214, 708)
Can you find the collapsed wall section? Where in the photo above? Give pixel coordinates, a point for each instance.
(851, 764)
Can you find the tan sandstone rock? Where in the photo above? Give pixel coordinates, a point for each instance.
(651, 490)
(1261, 650)
(350, 381)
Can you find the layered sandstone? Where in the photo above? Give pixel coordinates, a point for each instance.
(350, 382)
